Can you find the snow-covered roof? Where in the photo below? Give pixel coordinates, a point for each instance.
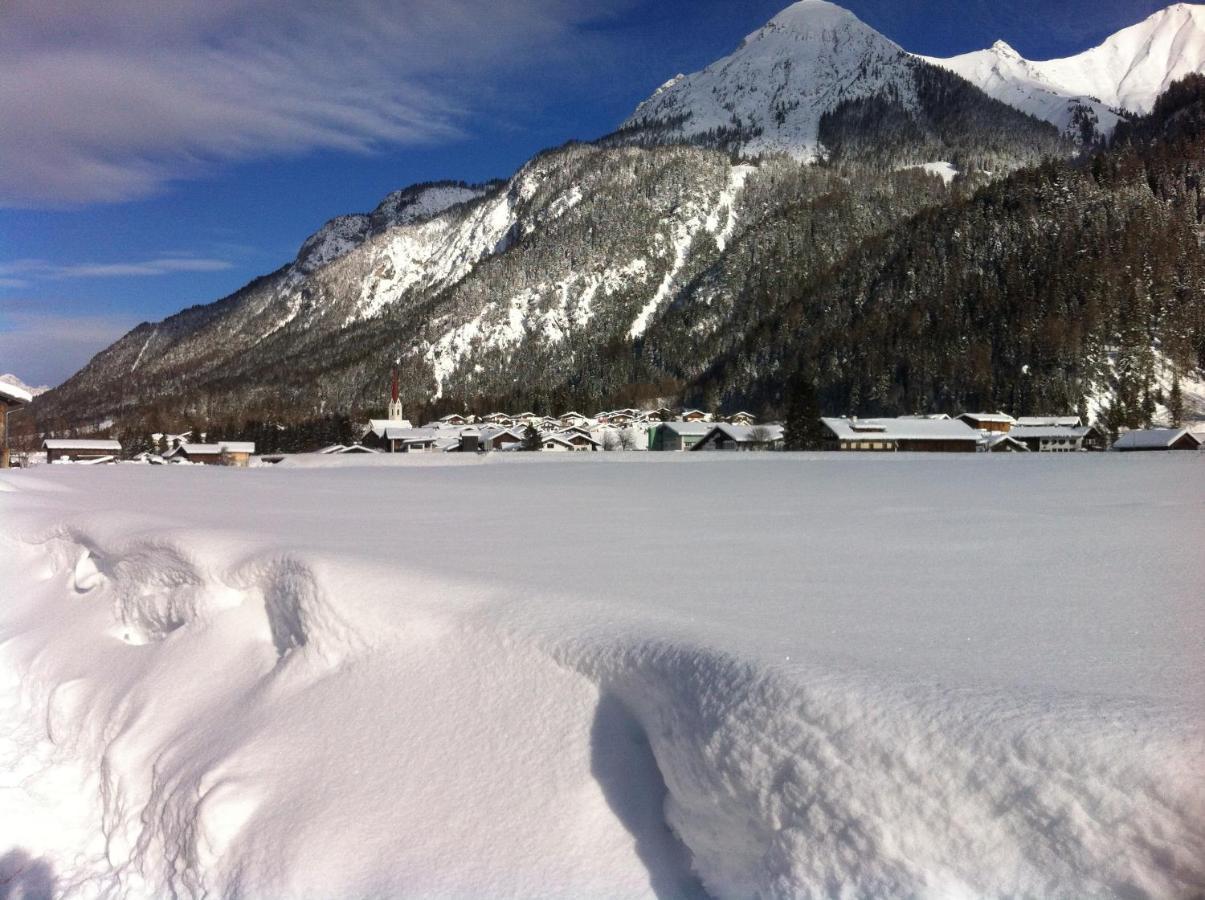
(14, 394)
(747, 434)
(410, 435)
(81, 444)
(992, 441)
(1051, 432)
(1152, 439)
(901, 429)
(687, 429)
(989, 417)
(1043, 421)
(378, 426)
(214, 449)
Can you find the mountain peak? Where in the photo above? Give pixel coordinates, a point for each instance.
(1003, 48)
(812, 15)
(769, 95)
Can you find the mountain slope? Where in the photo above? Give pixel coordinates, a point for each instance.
(1086, 95)
(1062, 287)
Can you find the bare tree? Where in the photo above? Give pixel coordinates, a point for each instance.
(627, 439)
(762, 437)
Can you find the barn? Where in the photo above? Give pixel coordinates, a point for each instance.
(1158, 439)
(915, 435)
(81, 450)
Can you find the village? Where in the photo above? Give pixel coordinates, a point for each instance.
(655, 430)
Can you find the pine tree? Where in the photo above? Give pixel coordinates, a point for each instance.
(532, 439)
(802, 428)
(1175, 403)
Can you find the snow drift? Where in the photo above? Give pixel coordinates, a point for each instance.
(774, 676)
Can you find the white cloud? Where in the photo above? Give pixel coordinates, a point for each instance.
(41, 269)
(108, 101)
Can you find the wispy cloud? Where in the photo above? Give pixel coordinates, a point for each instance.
(45, 348)
(108, 101)
(27, 270)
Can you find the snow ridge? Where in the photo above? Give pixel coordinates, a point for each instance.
(1124, 75)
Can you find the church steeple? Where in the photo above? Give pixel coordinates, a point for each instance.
(395, 399)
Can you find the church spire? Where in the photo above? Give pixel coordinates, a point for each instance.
(395, 399)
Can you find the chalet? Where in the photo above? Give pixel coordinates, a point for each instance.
(495, 438)
(905, 435)
(996, 442)
(725, 436)
(620, 419)
(498, 419)
(223, 453)
(11, 398)
(81, 450)
(695, 415)
(454, 419)
(993, 422)
(570, 419)
(580, 440)
(674, 436)
(1058, 438)
(1158, 439)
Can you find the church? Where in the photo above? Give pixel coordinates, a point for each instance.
(393, 434)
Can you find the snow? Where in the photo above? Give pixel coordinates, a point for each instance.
(944, 170)
(1127, 72)
(10, 381)
(12, 392)
(343, 679)
(805, 62)
(720, 220)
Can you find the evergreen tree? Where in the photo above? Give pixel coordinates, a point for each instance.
(802, 428)
(532, 439)
(1175, 403)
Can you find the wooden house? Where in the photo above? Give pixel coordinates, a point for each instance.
(725, 436)
(81, 450)
(990, 422)
(694, 415)
(905, 435)
(1155, 439)
(11, 398)
(221, 453)
(1058, 438)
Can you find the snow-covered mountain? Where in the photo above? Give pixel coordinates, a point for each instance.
(772, 91)
(9, 378)
(1100, 86)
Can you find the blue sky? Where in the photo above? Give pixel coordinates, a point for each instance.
(159, 155)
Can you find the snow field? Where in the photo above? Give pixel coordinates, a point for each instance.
(785, 676)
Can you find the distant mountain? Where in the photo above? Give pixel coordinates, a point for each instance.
(645, 266)
(17, 382)
(1086, 95)
(769, 95)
